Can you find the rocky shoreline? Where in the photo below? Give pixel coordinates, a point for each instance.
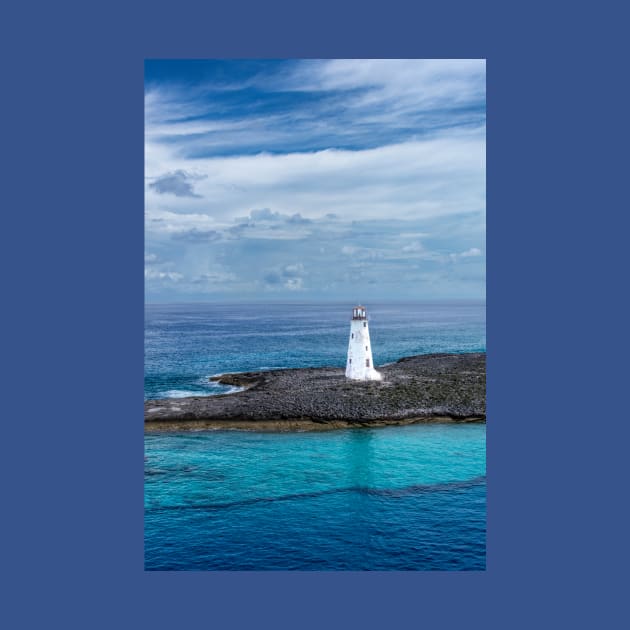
(422, 388)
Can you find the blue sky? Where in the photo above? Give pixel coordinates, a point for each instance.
(314, 180)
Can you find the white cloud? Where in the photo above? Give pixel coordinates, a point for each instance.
(294, 284)
(155, 274)
(473, 252)
(214, 277)
(413, 247)
(404, 85)
(437, 176)
(167, 222)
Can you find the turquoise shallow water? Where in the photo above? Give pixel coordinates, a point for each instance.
(365, 499)
(393, 498)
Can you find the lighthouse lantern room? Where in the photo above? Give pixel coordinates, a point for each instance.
(360, 365)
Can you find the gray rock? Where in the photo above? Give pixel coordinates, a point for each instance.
(423, 388)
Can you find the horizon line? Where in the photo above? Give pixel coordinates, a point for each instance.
(314, 301)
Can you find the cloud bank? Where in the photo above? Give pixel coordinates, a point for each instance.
(319, 179)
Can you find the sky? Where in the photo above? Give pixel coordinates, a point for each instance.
(299, 180)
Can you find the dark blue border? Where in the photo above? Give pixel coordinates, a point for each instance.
(73, 315)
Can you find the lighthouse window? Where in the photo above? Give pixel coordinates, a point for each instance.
(366, 348)
(350, 360)
(367, 363)
(364, 324)
(353, 335)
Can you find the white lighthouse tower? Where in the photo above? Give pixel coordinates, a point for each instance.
(360, 365)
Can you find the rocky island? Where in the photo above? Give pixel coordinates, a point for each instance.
(423, 388)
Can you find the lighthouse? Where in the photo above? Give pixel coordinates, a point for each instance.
(360, 366)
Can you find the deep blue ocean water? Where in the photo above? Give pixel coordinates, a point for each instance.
(393, 498)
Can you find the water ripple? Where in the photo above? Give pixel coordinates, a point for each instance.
(383, 492)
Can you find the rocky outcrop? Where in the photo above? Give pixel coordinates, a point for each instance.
(423, 388)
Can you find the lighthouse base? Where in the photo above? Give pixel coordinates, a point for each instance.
(363, 375)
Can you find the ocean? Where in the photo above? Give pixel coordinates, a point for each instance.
(392, 498)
